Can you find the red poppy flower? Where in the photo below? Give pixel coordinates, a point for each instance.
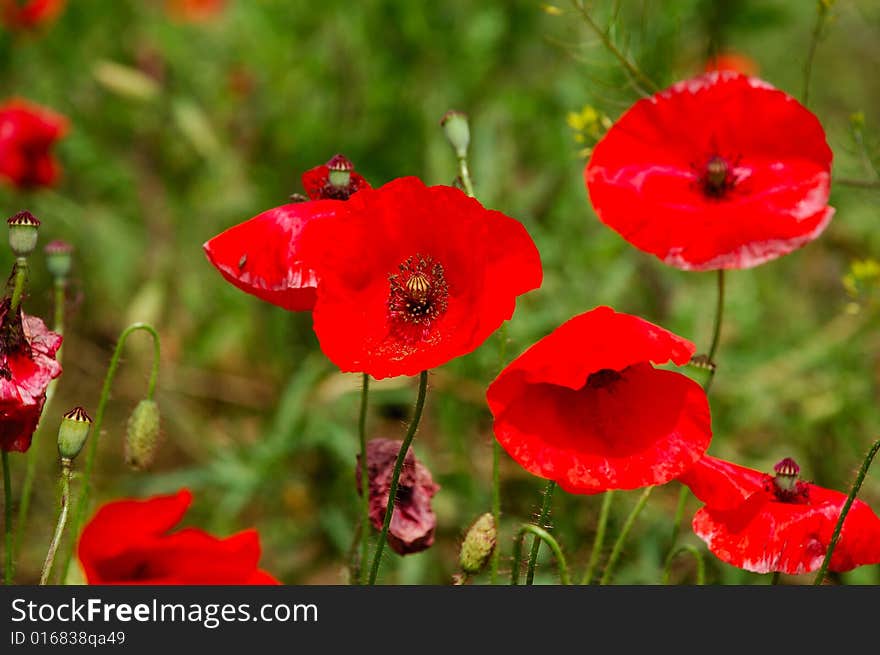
(413, 522)
(732, 61)
(413, 276)
(28, 14)
(765, 523)
(720, 171)
(194, 11)
(130, 542)
(261, 255)
(27, 134)
(585, 407)
(27, 365)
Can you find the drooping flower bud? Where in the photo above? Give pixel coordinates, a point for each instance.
(58, 258)
(478, 544)
(23, 231)
(73, 432)
(142, 437)
(458, 132)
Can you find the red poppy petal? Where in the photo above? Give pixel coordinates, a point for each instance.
(644, 176)
(722, 484)
(261, 255)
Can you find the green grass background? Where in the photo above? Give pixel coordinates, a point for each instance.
(254, 419)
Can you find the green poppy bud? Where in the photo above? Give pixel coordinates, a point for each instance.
(73, 432)
(23, 230)
(142, 437)
(478, 544)
(458, 132)
(58, 258)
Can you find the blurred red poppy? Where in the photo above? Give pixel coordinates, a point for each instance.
(413, 522)
(767, 523)
(29, 14)
(27, 365)
(27, 133)
(732, 61)
(585, 407)
(261, 255)
(195, 11)
(719, 171)
(413, 276)
(130, 542)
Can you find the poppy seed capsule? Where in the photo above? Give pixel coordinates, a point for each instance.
(339, 170)
(23, 231)
(458, 132)
(142, 436)
(478, 544)
(73, 432)
(58, 258)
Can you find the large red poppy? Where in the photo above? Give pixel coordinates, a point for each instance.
(131, 542)
(719, 171)
(585, 407)
(27, 133)
(261, 255)
(27, 365)
(766, 523)
(28, 14)
(413, 276)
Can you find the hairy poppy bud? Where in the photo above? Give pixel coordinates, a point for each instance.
(143, 435)
(478, 544)
(58, 258)
(73, 432)
(458, 132)
(23, 230)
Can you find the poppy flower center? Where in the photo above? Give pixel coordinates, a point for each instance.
(717, 177)
(418, 293)
(785, 484)
(603, 378)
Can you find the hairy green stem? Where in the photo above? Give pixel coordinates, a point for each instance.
(676, 528)
(822, 7)
(21, 271)
(361, 573)
(698, 558)
(716, 331)
(835, 536)
(82, 502)
(599, 539)
(543, 535)
(60, 288)
(542, 523)
(395, 475)
(8, 568)
(62, 521)
(624, 533)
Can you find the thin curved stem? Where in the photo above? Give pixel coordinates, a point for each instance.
(62, 521)
(599, 539)
(698, 557)
(716, 330)
(859, 184)
(8, 567)
(60, 288)
(21, 271)
(542, 522)
(541, 534)
(465, 175)
(641, 81)
(835, 536)
(624, 533)
(676, 528)
(395, 475)
(83, 499)
(365, 485)
(495, 561)
(822, 7)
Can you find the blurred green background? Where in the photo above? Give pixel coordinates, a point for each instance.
(180, 130)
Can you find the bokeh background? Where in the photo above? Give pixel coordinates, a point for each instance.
(182, 128)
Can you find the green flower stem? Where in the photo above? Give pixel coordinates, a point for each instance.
(716, 330)
(542, 534)
(822, 8)
(542, 520)
(465, 175)
(24, 504)
(21, 271)
(395, 475)
(676, 529)
(698, 558)
(361, 573)
(599, 539)
(624, 533)
(835, 536)
(62, 521)
(495, 562)
(82, 502)
(8, 568)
